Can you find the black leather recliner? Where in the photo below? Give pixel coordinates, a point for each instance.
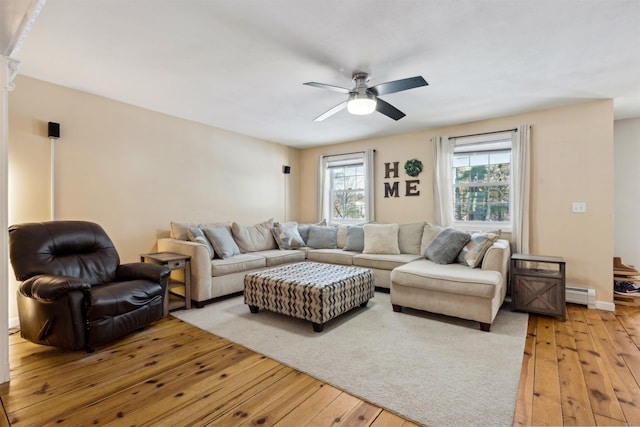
(74, 292)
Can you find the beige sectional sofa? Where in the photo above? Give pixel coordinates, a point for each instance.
(395, 253)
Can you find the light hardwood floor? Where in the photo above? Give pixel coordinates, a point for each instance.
(584, 371)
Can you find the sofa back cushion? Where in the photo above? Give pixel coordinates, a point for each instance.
(429, 232)
(252, 238)
(381, 239)
(410, 238)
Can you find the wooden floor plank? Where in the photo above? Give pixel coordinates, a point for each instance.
(524, 405)
(335, 412)
(547, 409)
(576, 406)
(303, 413)
(601, 394)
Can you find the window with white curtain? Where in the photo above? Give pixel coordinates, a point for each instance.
(482, 182)
(345, 193)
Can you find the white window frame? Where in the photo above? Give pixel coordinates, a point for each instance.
(492, 143)
(328, 163)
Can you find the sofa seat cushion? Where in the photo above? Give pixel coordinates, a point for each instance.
(235, 264)
(384, 261)
(280, 256)
(332, 256)
(448, 278)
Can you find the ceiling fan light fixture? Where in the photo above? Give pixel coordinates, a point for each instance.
(361, 104)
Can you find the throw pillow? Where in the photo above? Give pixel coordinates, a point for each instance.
(355, 238)
(381, 239)
(303, 229)
(222, 241)
(179, 230)
(197, 235)
(341, 238)
(446, 246)
(410, 238)
(473, 252)
(287, 236)
(252, 238)
(429, 232)
(323, 237)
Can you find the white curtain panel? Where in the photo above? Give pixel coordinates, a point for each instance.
(521, 170)
(443, 180)
(323, 190)
(369, 206)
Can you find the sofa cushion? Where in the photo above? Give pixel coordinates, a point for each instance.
(323, 237)
(195, 234)
(236, 264)
(332, 256)
(445, 248)
(355, 238)
(303, 229)
(429, 232)
(223, 244)
(287, 236)
(473, 252)
(179, 230)
(383, 261)
(449, 278)
(280, 256)
(341, 236)
(410, 238)
(251, 238)
(381, 239)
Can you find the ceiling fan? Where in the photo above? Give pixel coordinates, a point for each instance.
(364, 99)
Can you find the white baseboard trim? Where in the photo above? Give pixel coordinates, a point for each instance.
(14, 323)
(607, 306)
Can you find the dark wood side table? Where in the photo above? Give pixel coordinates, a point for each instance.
(538, 290)
(173, 262)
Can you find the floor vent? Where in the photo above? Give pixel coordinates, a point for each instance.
(581, 296)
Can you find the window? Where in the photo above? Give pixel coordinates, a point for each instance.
(482, 183)
(344, 190)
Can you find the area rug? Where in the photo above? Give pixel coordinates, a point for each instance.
(434, 370)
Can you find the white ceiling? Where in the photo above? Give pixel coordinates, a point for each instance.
(240, 64)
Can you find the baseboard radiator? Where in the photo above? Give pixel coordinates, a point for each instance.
(582, 296)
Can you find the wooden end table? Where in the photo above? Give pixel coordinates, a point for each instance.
(537, 290)
(173, 262)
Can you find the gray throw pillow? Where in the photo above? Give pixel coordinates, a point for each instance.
(197, 235)
(303, 229)
(222, 241)
(447, 244)
(287, 236)
(355, 238)
(323, 237)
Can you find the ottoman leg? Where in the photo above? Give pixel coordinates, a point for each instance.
(364, 304)
(254, 308)
(318, 327)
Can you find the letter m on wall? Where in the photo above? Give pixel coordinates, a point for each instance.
(391, 190)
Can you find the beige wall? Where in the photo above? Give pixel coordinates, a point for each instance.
(133, 170)
(571, 159)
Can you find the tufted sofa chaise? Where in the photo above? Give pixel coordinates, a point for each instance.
(413, 280)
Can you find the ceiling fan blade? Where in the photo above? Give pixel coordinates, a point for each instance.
(328, 87)
(398, 85)
(389, 110)
(331, 112)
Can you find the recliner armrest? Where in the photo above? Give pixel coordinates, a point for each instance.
(45, 287)
(142, 271)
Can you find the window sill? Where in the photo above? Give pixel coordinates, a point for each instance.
(483, 226)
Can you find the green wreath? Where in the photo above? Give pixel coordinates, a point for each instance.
(413, 167)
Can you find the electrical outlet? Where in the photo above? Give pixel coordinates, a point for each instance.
(578, 207)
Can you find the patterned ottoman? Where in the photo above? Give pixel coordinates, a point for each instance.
(309, 290)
